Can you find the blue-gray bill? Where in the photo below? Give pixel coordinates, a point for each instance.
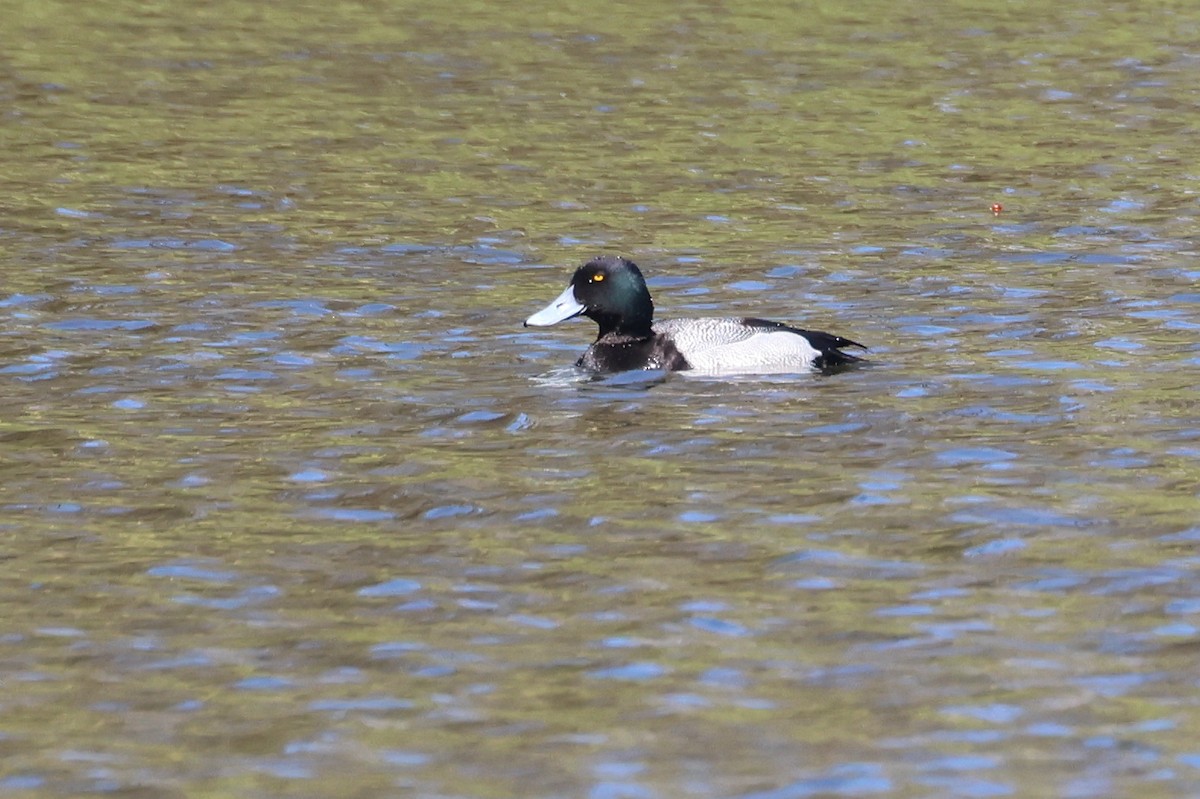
(562, 309)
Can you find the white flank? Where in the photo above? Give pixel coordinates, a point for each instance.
(726, 346)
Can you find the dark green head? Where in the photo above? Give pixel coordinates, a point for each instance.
(609, 290)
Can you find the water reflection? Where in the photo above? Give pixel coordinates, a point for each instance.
(293, 504)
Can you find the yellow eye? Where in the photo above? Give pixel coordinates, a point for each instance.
(599, 278)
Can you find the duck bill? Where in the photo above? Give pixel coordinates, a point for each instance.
(562, 309)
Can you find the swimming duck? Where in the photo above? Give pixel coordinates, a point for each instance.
(611, 291)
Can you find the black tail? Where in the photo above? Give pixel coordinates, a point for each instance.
(830, 347)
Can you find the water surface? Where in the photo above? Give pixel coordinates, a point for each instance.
(293, 505)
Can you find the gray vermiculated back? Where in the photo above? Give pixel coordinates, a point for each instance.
(730, 345)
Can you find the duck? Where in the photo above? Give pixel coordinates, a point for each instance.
(611, 291)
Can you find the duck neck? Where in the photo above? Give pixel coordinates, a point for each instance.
(635, 325)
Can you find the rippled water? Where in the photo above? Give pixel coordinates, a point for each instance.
(293, 505)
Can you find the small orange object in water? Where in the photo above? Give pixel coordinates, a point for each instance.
(997, 208)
